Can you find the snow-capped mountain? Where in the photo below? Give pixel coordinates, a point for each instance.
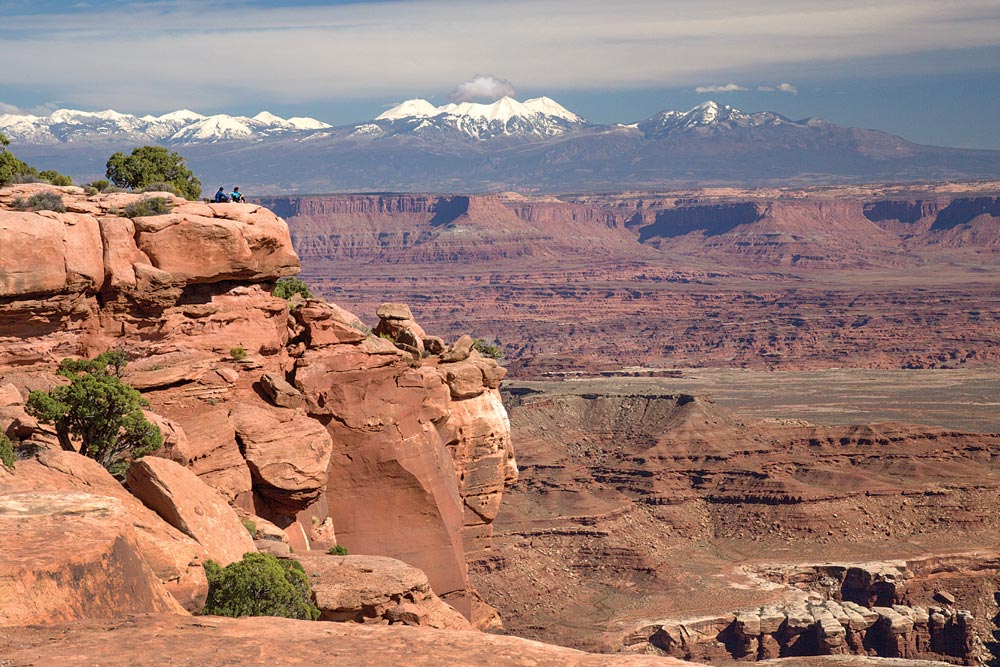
(537, 117)
(708, 117)
(177, 127)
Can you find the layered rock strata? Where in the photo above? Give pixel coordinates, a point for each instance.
(819, 628)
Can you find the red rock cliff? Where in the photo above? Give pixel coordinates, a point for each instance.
(333, 434)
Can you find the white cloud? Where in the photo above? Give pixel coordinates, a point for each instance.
(10, 108)
(482, 87)
(397, 48)
(780, 88)
(728, 88)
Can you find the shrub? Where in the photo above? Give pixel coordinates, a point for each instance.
(250, 525)
(55, 178)
(162, 187)
(486, 349)
(148, 206)
(7, 451)
(99, 410)
(153, 164)
(42, 201)
(286, 287)
(339, 550)
(238, 353)
(100, 184)
(260, 585)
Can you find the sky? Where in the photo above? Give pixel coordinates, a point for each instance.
(927, 70)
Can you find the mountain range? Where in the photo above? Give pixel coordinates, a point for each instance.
(535, 145)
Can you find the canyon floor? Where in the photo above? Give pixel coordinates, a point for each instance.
(637, 501)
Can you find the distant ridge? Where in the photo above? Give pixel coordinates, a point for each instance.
(534, 145)
(177, 127)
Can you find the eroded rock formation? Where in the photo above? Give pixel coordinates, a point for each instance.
(294, 412)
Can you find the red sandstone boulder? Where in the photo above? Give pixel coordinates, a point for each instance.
(191, 506)
(199, 248)
(287, 451)
(51, 538)
(46, 252)
(210, 450)
(174, 557)
(374, 589)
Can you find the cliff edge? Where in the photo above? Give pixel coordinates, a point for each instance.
(294, 413)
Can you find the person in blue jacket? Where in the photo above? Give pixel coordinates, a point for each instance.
(236, 195)
(221, 195)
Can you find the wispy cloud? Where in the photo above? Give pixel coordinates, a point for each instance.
(482, 87)
(161, 51)
(728, 88)
(780, 88)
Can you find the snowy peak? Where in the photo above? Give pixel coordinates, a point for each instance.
(708, 117)
(540, 116)
(410, 109)
(181, 126)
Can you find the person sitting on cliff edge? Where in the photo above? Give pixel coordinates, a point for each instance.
(236, 195)
(221, 195)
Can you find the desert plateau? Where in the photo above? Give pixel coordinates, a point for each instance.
(548, 333)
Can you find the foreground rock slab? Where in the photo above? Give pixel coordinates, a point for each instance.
(51, 539)
(265, 641)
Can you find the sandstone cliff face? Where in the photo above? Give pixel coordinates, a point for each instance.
(333, 434)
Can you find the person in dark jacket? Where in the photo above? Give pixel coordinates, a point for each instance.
(221, 195)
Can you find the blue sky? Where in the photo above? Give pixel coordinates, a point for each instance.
(928, 70)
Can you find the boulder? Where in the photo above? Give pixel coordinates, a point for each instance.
(211, 450)
(174, 557)
(83, 536)
(198, 248)
(287, 451)
(191, 506)
(433, 344)
(459, 350)
(394, 311)
(464, 379)
(375, 589)
(280, 393)
(328, 324)
(46, 253)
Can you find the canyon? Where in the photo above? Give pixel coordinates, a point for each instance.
(870, 277)
(670, 493)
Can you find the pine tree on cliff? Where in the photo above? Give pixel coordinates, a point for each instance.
(148, 165)
(99, 411)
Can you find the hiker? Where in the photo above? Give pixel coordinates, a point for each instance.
(236, 195)
(221, 195)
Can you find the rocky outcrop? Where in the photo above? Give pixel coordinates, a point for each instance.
(293, 411)
(72, 556)
(819, 628)
(374, 589)
(174, 557)
(190, 506)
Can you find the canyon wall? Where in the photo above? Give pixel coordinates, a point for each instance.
(774, 279)
(294, 412)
